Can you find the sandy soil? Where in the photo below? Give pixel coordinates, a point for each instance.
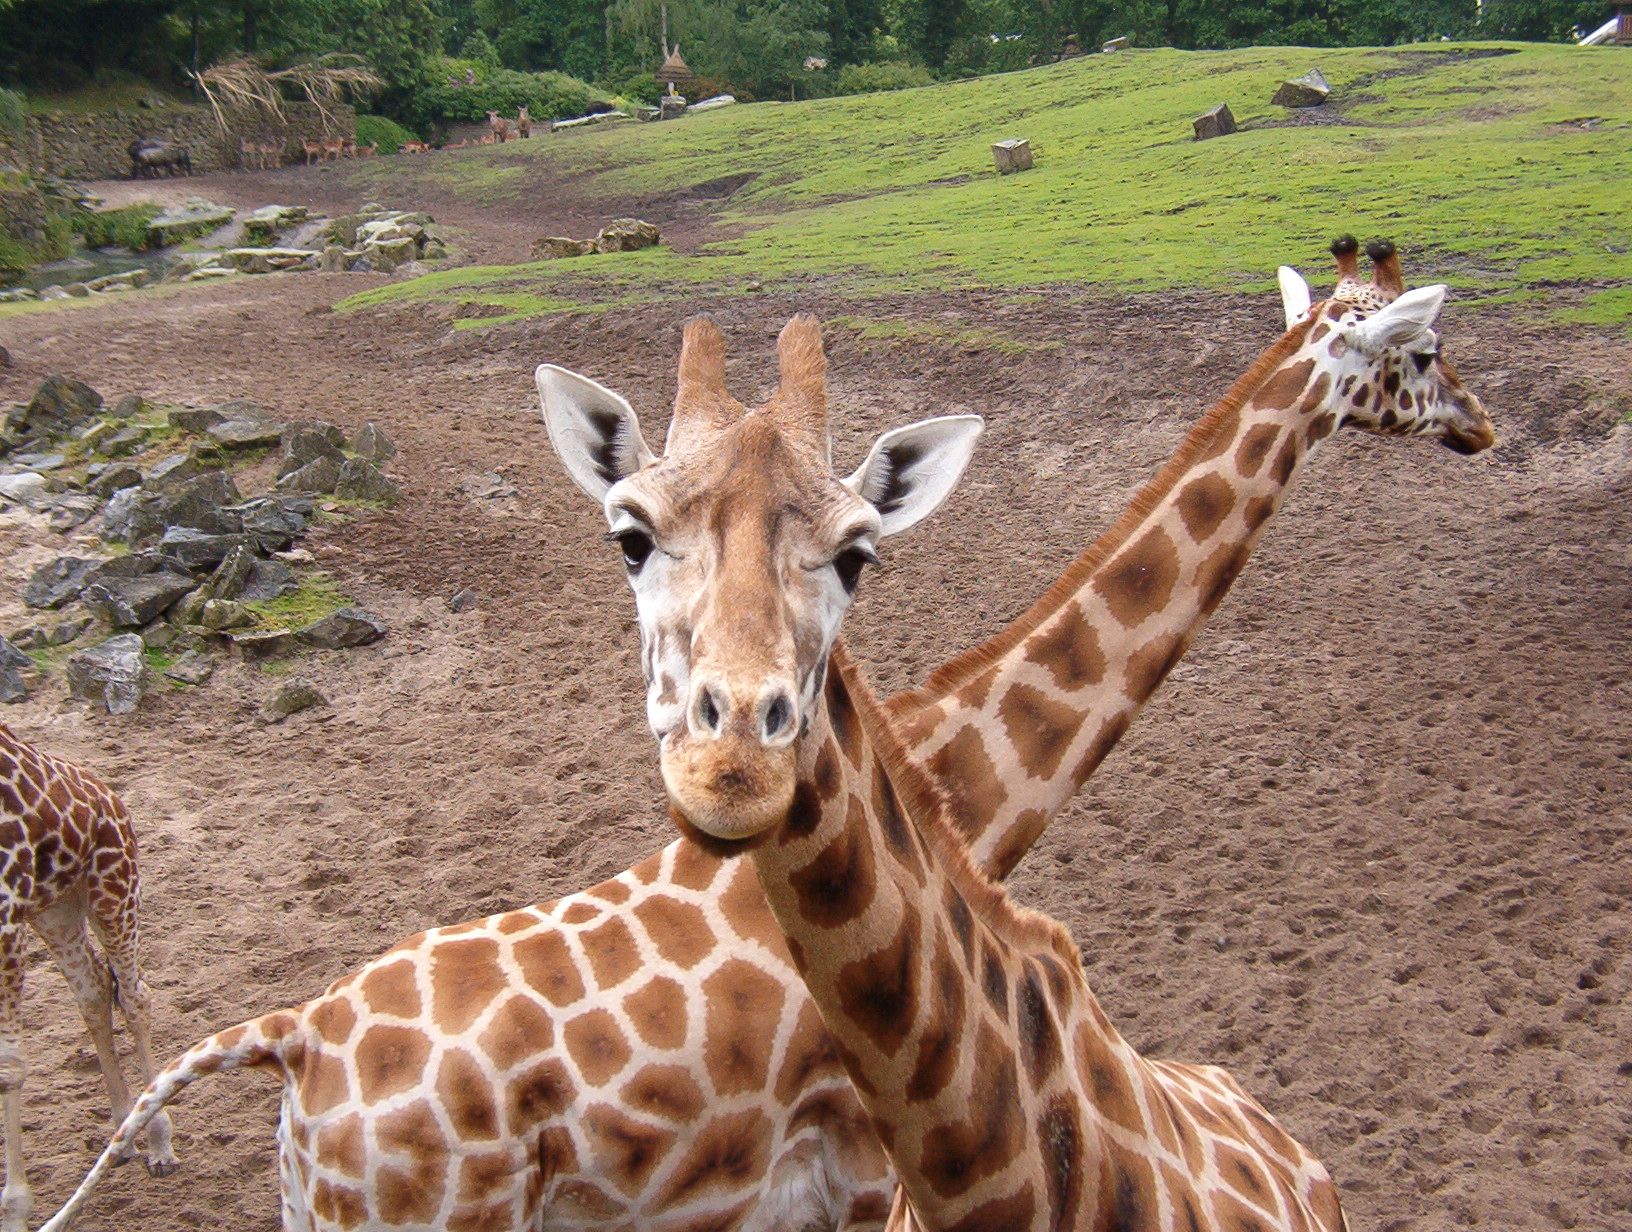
(1368, 848)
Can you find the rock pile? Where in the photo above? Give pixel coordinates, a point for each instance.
(619, 235)
(187, 554)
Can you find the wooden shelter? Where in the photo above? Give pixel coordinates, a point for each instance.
(674, 72)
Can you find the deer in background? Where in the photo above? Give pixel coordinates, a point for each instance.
(503, 129)
(524, 123)
(312, 149)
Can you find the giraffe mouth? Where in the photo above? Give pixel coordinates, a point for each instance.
(728, 788)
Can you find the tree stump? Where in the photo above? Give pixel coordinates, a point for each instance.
(1012, 155)
(1214, 122)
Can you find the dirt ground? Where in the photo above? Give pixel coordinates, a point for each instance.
(1368, 848)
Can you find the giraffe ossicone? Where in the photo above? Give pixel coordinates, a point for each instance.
(666, 1024)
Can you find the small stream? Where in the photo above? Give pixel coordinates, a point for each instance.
(89, 263)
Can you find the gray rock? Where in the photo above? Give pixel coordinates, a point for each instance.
(626, 235)
(59, 405)
(189, 609)
(116, 516)
(1310, 90)
(219, 615)
(290, 699)
(113, 478)
(202, 503)
(69, 630)
(131, 406)
(268, 580)
(196, 419)
(185, 222)
(304, 444)
(349, 626)
(194, 667)
(193, 550)
(334, 259)
(488, 486)
(318, 475)
(56, 582)
(169, 471)
(245, 433)
(1214, 122)
(257, 644)
(128, 441)
(274, 521)
(44, 463)
(374, 445)
(1120, 43)
(27, 489)
(13, 662)
(74, 509)
(129, 602)
(227, 582)
(462, 600)
(30, 637)
(111, 673)
(360, 480)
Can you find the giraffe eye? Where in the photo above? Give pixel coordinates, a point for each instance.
(637, 545)
(849, 563)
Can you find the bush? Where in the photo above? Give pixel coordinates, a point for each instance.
(390, 134)
(12, 115)
(465, 90)
(869, 78)
(128, 227)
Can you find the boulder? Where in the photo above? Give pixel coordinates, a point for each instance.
(263, 260)
(193, 550)
(131, 406)
(194, 667)
(112, 479)
(111, 673)
(58, 406)
(245, 433)
(186, 222)
(129, 602)
(219, 615)
(551, 248)
(126, 441)
(30, 637)
(74, 509)
(57, 582)
(13, 663)
(274, 521)
(373, 445)
(318, 475)
(256, 644)
(306, 443)
(227, 582)
(1214, 122)
(1310, 90)
(348, 627)
(1011, 155)
(268, 580)
(69, 630)
(1120, 43)
(117, 514)
(386, 254)
(203, 503)
(334, 259)
(290, 699)
(362, 481)
(27, 489)
(626, 235)
(196, 418)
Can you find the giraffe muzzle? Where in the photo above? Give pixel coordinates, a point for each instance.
(730, 770)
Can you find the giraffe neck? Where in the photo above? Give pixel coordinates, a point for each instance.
(1015, 726)
(943, 998)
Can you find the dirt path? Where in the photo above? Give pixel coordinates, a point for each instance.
(1369, 848)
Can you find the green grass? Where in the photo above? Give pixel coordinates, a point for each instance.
(127, 226)
(906, 329)
(317, 597)
(1485, 169)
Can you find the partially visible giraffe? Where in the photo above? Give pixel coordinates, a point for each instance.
(68, 856)
(631, 981)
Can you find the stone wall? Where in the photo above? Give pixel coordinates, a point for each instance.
(92, 147)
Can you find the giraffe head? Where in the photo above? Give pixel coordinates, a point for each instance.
(744, 549)
(1375, 342)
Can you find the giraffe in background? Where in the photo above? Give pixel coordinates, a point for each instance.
(69, 857)
(676, 968)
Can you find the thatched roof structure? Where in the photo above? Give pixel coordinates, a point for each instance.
(674, 70)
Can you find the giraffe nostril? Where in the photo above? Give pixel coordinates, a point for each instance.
(778, 716)
(710, 714)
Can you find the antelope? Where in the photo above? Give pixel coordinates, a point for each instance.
(312, 149)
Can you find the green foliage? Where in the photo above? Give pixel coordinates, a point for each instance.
(317, 597)
(871, 78)
(13, 114)
(127, 226)
(390, 134)
(448, 94)
(479, 49)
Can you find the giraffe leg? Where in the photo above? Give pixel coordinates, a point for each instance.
(62, 927)
(15, 1199)
(114, 902)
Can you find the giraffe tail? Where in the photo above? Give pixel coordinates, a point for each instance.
(257, 1042)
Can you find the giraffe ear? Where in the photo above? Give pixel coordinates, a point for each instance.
(911, 470)
(594, 431)
(1401, 321)
(1295, 297)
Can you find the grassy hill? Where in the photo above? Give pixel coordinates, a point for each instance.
(1503, 167)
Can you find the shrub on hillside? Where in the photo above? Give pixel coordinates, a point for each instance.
(870, 78)
(127, 226)
(390, 134)
(12, 115)
(465, 90)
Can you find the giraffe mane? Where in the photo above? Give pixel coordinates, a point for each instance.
(931, 813)
(957, 672)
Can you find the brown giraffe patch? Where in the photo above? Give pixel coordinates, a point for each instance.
(482, 1177)
(1216, 574)
(725, 1155)
(324, 1083)
(744, 1010)
(657, 1010)
(1060, 1141)
(518, 1029)
(1148, 665)
(581, 912)
(694, 869)
(743, 903)
(613, 953)
(1040, 728)
(393, 989)
(994, 981)
(879, 993)
(1109, 1084)
(334, 1020)
(1204, 503)
(828, 775)
(1223, 436)
(1015, 1213)
(633, 1149)
(614, 892)
(1258, 510)
(389, 1061)
(667, 1091)
(809, 1050)
(341, 1147)
(968, 773)
(587, 1201)
(679, 930)
(1069, 649)
(597, 1046)
(535, 1093)
(1244, 1173)
(462, 1088)
(413, 1130)
(838, 885)
(899, 833)
(941, 1041)
(959, 1154)
(1034, 1025)
(1139, 581)
(341, 1205)
(465, 977)
(1281, 390)
(1287, 460)
(1255, 447)
(546, 964)
(411, 1196)
(1134, 1198)
(1233, 1213)
(1026, 830)
(917, 726)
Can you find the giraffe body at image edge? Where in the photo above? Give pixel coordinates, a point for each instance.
(668, 1020)
(68, 860)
